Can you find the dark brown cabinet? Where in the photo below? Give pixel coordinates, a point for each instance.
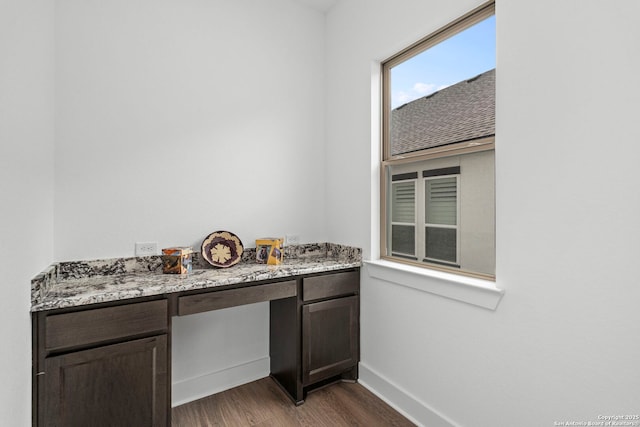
(109, 364)
(329, 338)
(103, 366)
(122, 384)
(315, 337)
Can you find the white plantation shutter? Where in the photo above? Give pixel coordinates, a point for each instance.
(441, 200)
(403, 218)
(441, 218)
(403, 202)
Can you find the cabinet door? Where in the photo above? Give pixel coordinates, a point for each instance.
(330, 338)
(117, 385)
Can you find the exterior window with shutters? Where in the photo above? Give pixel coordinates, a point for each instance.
(403, 215)
(438, 143)
(441, 220)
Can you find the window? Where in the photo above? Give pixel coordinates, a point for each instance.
(441, 220)
(438, 185)
(403, 215)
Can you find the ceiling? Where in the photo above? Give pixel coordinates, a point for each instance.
(321, 5)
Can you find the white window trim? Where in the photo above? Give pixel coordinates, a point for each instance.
(478, 292)
(474, 291)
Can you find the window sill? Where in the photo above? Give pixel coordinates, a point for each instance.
(478, 292)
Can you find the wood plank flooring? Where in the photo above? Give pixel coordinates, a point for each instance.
(262, 403)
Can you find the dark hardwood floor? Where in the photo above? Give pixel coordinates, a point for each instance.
(263, 403)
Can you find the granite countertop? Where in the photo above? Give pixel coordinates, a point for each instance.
(76, 283)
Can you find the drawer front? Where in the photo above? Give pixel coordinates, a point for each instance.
(104, 324)
(330, 285)
(215, 300)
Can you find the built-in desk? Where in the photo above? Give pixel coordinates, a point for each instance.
(102, 330)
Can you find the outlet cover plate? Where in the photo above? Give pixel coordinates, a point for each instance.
(292, 239)
(146, 248)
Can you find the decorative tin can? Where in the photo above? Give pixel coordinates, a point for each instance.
(270, 250)
(177, 260)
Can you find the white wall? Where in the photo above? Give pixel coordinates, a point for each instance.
(178, 118)
(563, 343)
(26, 188)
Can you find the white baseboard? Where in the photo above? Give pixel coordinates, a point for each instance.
(400, 400)
(196, 388)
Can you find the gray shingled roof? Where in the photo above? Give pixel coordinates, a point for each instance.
(461, 112)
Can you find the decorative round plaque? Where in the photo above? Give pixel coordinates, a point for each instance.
(222, 249)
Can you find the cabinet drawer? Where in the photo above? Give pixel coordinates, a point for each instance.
(330, 285)
(215, 300)
(104, 324)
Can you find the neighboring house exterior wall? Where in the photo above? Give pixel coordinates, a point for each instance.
(477, 206)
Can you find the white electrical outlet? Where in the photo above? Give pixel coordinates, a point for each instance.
(292, 239)
(146, 248)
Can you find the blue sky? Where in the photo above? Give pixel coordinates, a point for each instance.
(458, 58)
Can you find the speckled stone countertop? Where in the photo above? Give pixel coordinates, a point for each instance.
(70, 284)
